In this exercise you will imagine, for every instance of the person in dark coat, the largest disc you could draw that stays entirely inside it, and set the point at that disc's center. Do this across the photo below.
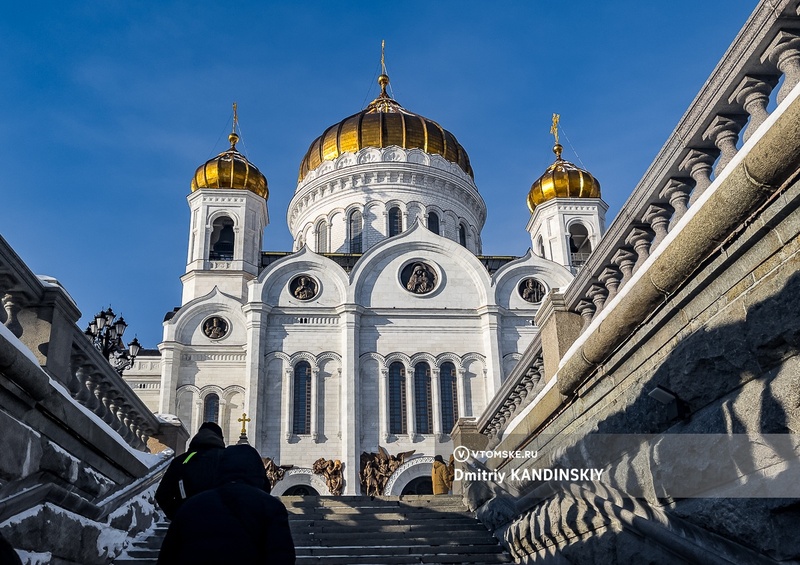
(236, 522)
(192, 472)
(7, 554)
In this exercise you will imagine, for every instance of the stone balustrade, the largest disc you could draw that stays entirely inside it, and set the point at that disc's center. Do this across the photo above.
(730, 107)
(517, 392)
(39, 312)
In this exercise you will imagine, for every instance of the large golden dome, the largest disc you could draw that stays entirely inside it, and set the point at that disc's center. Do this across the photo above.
(230, 169)
(562, 179)
(383, 123)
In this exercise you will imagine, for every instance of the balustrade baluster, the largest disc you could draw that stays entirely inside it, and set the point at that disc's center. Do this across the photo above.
(784, 53)
(597, 293)
(676, 191)
(699, 164)
(640, 239)
(586, 309)
(610, 278)
(724, 132)
(753, 94)
(625, 259)
(657, 216)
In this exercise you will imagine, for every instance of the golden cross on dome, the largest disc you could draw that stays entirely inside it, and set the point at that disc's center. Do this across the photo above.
(557, 148)
(383, 58)
(233, 137)
(554, 127)
(244, 419)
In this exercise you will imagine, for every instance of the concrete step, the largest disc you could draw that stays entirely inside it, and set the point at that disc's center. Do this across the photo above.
(363, 530)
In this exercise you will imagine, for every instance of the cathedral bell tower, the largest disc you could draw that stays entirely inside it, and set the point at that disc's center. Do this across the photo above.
(567, 213)
(228, 206)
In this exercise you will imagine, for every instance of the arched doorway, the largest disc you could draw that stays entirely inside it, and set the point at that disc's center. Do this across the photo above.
(420, 485)
(300, 490)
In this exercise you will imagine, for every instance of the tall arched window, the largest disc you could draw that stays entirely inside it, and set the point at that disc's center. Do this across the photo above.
(422, 398)
(540, 246)
(395, 221)
(301, 415)
(211, 409)
(462, 235)
(397, 399)
(433, 222)
(449, 395)
(222, 240)
(356, 231)
(579, 245)
(322, 237)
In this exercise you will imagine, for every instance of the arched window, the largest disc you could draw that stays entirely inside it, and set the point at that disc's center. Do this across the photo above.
(222, 240)
(540, 246)
(301, 415)
(356, 231)
(433, 222)
(422, 398)
(449, 396)
(462, 235)
(395, 221)
(579, 245)
(211, 409)
(397, 398)
(322, 237)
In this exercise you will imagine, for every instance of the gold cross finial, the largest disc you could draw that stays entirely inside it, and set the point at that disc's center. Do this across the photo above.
(383, 80)
(233, 137)
(557, 148)
(244, 419)
(554, 127)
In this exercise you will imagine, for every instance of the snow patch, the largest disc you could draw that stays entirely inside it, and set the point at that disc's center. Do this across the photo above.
(34, 558)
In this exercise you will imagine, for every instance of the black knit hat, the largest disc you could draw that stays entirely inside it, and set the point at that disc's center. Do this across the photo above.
(212, 427)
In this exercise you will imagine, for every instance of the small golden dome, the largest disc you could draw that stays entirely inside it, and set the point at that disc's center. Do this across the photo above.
(562, 179)
(383, 123)
(230, 169)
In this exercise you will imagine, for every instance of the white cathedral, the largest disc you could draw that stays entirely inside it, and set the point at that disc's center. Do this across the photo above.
(385, 324)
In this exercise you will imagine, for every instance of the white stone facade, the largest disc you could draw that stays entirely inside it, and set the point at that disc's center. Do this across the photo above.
(351, 365)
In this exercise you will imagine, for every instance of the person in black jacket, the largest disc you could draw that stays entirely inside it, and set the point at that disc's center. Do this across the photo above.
(192, 472)
(236, 522)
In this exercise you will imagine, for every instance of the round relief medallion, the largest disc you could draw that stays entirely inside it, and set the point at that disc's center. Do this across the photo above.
(303, 287)
(531, 290)
(215, 327)
(418, 277)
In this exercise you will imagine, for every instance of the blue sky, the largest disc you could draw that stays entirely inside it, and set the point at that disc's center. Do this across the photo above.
(107, 108)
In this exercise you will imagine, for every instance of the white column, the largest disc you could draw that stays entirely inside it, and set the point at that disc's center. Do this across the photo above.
(288, 403)
(492, 329)
(257, 318)
(170, 377)
(436, 404)
(410, 405)
(314, 403)
(350, 317)
(461, 392)
(383, 406)
(197, 417)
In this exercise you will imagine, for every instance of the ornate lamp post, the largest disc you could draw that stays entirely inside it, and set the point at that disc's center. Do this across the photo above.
(106, 331)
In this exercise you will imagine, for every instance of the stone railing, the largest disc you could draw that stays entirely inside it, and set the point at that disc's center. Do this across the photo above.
(516, 393)
(43, 316)
(730, 107)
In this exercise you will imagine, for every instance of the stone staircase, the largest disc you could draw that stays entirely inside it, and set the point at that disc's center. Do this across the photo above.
(356, 530)
(359, 530)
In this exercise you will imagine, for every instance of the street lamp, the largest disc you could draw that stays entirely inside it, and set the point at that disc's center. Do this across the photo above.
(105, 331)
